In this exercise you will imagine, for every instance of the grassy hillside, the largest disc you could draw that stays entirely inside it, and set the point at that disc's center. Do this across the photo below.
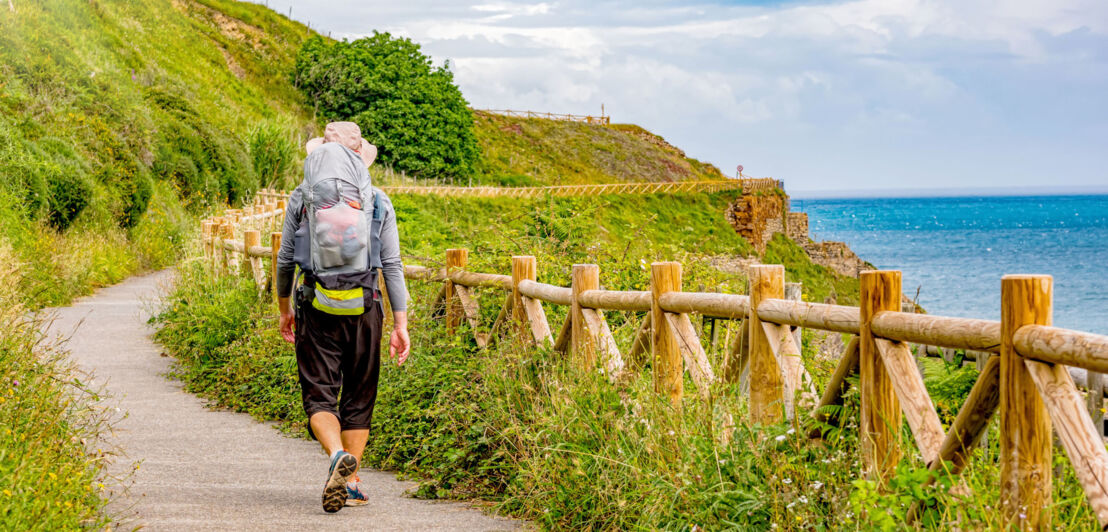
(119, 118)
(533, 151)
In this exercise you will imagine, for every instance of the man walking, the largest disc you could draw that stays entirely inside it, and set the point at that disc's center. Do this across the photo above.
(341, 232)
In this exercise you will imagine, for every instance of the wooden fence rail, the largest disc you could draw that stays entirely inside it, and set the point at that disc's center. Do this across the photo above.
(602, 119)
(1022, 359)
(748, 186)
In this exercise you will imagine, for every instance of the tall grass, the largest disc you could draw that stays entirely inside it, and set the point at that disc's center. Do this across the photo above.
(567, 449)
(51, 454)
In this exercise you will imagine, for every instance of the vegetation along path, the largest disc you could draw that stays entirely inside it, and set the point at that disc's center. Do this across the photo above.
(211, 470)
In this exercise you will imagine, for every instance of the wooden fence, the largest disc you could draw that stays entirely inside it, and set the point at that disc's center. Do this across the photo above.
(1023, 360)
(602, 120)
(748, 186)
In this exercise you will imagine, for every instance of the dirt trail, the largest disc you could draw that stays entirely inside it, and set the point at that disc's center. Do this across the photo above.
(215, 470)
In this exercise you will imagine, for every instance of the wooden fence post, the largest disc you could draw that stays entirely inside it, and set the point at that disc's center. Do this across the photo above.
(881, 416)
(523, 268)
(279, 220)
(1094, 399)
(206, 238)
(252, 238)
(669, 371)
(455, 260)
(214, 243)
(766, 382)
(275, 245)
(228, 256)
(584, 277)
(793, 292)
(1025, 428)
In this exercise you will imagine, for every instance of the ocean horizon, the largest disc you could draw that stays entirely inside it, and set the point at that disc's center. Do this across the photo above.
(953, 250)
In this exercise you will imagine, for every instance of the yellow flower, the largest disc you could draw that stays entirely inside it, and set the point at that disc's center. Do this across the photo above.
(7, 493)
(53, 476)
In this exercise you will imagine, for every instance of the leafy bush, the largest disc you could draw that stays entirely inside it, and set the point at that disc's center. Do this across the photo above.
(69, 195)
(410, 110)
(206, 163)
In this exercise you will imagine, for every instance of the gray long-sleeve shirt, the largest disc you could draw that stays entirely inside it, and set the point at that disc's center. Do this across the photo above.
(391, 266)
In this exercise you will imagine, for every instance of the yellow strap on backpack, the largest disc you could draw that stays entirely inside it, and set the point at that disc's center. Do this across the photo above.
(339, 302)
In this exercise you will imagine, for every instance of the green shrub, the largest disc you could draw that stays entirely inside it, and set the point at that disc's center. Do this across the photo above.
(410, 110)
(69, 195)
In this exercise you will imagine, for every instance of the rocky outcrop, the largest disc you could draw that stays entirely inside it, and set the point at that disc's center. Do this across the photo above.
(758, 217)
(835, 255)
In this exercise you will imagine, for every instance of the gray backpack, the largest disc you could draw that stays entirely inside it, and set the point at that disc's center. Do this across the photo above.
(340, 240)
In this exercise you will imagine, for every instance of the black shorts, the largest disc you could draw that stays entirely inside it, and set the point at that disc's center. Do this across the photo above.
(336, 353)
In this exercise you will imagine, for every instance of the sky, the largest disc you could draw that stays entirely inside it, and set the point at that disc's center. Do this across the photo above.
(887, 95)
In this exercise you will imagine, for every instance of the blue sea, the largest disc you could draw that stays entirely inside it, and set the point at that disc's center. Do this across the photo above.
(955, 250)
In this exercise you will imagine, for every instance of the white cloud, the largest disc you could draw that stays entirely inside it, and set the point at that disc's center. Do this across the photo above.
(870, 83)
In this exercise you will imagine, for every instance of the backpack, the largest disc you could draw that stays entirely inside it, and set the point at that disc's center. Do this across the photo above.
(338, 243)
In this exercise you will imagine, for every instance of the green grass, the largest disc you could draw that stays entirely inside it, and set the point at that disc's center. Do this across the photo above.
(567, 450)
(51, 454)
(819, 282)
(527, 152)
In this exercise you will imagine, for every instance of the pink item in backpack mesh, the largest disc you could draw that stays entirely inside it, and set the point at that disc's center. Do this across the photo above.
(348, 134)
(338, 234)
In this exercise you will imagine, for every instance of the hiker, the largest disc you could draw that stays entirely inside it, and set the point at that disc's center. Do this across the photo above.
(341, 232)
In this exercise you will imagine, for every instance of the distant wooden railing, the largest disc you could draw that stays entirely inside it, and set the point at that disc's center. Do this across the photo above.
(1022, 359)
(602, 120)
(747, 186)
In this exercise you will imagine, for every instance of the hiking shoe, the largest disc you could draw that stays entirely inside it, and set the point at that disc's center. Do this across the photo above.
(355, 496)
(334, 491)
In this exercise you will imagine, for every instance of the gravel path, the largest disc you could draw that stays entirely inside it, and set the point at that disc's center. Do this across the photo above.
(215, 470)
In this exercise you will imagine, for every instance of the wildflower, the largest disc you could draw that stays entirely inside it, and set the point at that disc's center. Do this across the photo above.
(802, 500)
(671, 433)
(7, 493)
(790, 432)
(817, 485)
(16, 384)
(787, 480)
(780, 438)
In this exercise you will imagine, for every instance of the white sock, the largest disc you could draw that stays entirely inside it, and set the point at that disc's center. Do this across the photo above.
(336, 453)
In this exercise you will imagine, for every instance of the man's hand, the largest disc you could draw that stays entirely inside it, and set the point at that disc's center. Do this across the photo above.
(288, 320)
(399, 343)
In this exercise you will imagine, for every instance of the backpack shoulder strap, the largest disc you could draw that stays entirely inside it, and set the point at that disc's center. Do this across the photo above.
(378, 211)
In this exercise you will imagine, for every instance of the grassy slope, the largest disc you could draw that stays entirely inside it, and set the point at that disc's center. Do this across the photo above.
(518, 151)
(143, 103)
(137, 112)
(570, 451)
